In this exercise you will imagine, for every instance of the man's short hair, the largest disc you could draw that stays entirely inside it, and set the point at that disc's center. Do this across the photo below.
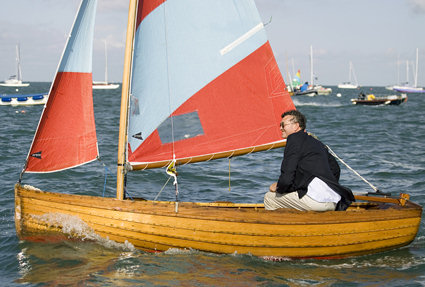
(298, 117)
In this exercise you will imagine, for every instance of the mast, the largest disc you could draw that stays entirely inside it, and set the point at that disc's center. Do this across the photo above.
(349, 72)
(106, 64)
(311, 67)
(18, 63)
(417, 64)
(288, 73)
(122, 137)
(407, 72)
(354, 75)
(398, 69)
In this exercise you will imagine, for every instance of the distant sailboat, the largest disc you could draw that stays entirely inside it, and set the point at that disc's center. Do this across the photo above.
(16, 80)
(318, 88)
(105, 85)
(403, 84)
(407, 88)
(349, 84)
(310, 89)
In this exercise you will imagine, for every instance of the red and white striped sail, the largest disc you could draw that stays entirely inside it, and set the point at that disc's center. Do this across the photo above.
(205, 83)
(66, 134)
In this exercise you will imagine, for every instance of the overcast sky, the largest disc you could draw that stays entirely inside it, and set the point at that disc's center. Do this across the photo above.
(373, 34)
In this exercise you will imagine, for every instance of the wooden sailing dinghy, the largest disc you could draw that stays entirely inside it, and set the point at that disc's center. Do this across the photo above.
(219, 94)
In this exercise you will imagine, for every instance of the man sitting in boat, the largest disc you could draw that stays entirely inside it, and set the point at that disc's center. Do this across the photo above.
(309, 173)
(362, 96)
(304, 87)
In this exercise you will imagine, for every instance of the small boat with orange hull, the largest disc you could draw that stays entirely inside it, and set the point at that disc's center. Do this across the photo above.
(377, 224)
(221, 94)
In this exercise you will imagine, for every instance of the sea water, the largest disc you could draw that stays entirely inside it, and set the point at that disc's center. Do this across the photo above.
(384, 144)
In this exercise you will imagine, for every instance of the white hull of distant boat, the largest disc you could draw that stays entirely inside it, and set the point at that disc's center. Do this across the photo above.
(14, 83)
(409, 89)
(308, 93)
(406, 89)
(104, 86)
(392, 88)
(23, 100)
(322, 91)
(347, 86)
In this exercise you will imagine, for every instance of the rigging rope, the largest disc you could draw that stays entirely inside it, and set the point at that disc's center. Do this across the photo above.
(159, 193)
(125, 188)
(106, 175)
(171, 169)
(104, 184)
(350, 168)
(355, 172)
(229, 172)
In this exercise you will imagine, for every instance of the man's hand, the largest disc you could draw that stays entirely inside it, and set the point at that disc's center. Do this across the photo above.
(273, 187)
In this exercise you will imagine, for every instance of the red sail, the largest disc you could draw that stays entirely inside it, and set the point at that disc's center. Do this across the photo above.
(205, 83)
(66, 134)
(233, 117)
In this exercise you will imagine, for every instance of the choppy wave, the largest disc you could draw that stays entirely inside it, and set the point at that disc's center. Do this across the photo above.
(74, 227)
(316, 103)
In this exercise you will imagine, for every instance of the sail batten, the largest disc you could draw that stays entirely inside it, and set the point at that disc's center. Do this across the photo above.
(241, 39)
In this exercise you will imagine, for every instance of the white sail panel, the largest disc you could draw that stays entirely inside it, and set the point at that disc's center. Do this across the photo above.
(78, 55)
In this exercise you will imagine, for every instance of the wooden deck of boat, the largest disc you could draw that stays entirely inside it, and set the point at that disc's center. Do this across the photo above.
(225, 227)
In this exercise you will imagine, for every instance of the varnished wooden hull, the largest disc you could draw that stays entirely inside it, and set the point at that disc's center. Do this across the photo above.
(219, 227)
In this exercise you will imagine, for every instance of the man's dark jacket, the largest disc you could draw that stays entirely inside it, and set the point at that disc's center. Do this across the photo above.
(305, 158)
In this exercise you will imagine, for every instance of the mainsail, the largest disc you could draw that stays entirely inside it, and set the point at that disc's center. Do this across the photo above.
(205, 83)
(68, 138)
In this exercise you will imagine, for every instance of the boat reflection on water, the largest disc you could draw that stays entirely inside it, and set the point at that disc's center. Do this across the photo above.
(86, 263)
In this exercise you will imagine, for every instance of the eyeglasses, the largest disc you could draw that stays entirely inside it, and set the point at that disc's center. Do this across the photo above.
(282, 125)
